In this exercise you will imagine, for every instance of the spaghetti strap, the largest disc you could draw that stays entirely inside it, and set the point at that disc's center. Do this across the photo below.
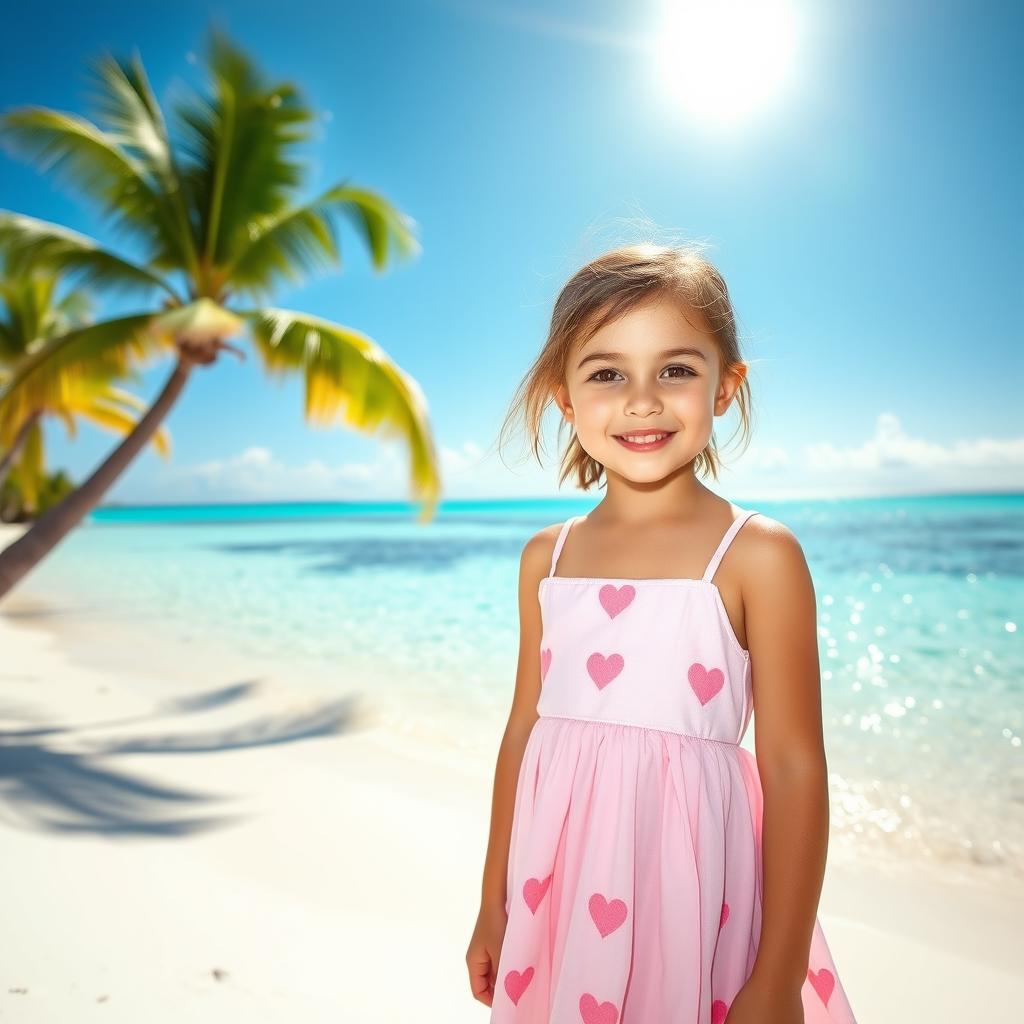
(561, 540)
(716, 558)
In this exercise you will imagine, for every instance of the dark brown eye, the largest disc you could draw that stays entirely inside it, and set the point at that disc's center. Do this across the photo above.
(596, 376)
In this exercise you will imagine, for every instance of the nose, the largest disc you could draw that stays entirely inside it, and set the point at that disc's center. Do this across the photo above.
(642, 401)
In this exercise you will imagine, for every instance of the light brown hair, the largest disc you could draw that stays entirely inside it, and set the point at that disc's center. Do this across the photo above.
(605, 289)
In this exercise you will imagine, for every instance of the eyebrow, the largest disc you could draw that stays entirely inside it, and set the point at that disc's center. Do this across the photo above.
(610, 356)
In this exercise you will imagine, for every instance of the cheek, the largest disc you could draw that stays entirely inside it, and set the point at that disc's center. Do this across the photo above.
(598, 410)
(694, 401)
(692, 406)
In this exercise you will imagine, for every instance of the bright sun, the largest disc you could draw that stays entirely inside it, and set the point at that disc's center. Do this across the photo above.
(722, 59)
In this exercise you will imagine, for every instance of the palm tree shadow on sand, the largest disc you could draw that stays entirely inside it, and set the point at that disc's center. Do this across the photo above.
(45, 788)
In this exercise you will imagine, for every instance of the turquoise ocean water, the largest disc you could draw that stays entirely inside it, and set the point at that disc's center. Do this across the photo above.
(920, 603)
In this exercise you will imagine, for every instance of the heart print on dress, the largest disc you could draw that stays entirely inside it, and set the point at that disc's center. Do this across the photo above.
(705, 682)
(515, 983)
(603, 670)
(616, 599)
(606, 915)
(533, 892)
(822, 982)
(593, 1012)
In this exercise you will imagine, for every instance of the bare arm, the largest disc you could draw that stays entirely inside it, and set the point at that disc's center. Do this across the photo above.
(534, 564)
(781, 621)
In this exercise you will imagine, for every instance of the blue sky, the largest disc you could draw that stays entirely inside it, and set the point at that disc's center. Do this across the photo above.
(867, 215)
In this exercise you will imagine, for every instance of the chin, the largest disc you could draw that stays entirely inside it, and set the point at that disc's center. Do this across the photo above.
(652, 474)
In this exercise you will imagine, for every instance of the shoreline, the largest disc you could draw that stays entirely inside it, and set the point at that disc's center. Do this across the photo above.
(197, 840)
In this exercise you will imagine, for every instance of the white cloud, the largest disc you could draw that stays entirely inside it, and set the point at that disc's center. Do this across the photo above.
(256, 473)
(457, 461)
(764, 457)
(892, 448)
(888, 462)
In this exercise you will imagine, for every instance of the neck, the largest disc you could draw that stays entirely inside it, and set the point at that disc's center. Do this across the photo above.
(676, 498)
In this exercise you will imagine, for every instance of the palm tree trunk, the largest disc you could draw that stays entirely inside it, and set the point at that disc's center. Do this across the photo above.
(49, 529)
(11, 455)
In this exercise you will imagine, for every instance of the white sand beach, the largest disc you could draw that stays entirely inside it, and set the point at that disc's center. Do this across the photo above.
(191, 841)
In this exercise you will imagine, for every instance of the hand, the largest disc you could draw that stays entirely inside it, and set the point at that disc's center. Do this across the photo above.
(759, 1002)
(485, 951)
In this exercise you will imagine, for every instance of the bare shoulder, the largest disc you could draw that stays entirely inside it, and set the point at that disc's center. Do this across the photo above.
(538, 550)
(770, 555)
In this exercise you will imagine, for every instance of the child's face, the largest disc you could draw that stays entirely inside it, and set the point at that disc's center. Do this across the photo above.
(625, 380)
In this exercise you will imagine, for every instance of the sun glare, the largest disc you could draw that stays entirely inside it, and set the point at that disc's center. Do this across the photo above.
(720, 60)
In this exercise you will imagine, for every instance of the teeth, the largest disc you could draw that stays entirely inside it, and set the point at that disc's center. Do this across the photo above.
(645, 438)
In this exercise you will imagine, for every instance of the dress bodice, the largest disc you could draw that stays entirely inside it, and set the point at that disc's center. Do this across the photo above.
(655, 653)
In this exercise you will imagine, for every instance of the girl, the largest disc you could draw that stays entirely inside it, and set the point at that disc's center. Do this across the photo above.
(626, 878)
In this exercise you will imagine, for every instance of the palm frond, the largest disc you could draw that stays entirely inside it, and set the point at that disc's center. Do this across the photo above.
(9, 348)
(74, 309)
(127, 106)
(112, 348)
(65, 416)
(28, 471)
(31, 243)
(237, 145)
(303, 239)
(93, 161)
(349, 377)
(25, 306)
(382, 226)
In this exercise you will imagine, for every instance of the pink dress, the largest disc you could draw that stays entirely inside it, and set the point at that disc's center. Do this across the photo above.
(635, 874)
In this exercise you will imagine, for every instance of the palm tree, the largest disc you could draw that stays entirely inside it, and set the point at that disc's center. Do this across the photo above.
(214, 216)
(49, 490)
(29, 315)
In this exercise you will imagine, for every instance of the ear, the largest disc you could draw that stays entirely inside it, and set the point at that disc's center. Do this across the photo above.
(730, 383)
(563, 403)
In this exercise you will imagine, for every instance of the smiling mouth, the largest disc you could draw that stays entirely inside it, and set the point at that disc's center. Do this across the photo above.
(645, 442)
